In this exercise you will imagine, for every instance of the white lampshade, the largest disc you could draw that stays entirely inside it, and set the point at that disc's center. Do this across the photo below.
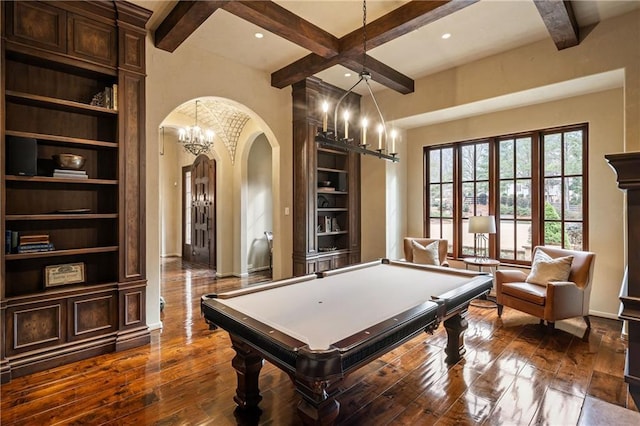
(482, 225)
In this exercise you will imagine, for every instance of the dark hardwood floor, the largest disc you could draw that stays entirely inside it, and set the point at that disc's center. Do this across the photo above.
(514, 373)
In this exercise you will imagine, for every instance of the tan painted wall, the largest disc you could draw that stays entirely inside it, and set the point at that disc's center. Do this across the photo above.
(614, 127)
(603, 112)
(170, 189)
(170, 83)
(610, 45)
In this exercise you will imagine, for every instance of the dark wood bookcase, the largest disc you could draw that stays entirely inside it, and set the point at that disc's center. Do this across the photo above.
(56, 56)
(326, 218)
(627, 168)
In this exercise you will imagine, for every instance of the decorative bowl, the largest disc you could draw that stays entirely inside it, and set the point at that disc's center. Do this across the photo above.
(324, 183)
(69, 161)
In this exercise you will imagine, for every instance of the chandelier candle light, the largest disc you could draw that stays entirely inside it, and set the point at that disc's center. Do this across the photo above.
(332, 140)
(196, 140)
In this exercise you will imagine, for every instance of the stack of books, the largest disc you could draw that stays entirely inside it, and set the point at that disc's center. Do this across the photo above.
(108, 98)
(70, 174)
(10, 241)
(34, 243)
(111, 97)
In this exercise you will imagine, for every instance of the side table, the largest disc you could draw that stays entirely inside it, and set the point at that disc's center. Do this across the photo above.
(481, 262)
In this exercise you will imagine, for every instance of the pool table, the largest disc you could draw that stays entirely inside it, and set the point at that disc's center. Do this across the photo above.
(319, 328)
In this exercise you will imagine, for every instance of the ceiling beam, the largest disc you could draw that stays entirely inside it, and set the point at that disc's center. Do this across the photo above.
(561, 22)
(312, 64)
(301, 69)
(182, 21)
(403, 20)
(394, 24)
(278, 20)
(381, 73)
(327, 50)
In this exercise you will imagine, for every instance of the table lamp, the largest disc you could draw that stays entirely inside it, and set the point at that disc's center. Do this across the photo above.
(481, 225)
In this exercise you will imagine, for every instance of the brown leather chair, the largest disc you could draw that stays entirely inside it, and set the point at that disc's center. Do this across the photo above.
(442, 248)
(555, 301)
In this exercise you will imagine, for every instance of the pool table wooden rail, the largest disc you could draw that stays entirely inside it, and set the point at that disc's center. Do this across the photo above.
(452, 305)
(318, 374)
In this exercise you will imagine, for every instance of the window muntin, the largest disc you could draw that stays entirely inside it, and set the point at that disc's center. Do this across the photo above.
(540, 182)
(515, 198)
(441, 193)
(564, 186)
(474, 170)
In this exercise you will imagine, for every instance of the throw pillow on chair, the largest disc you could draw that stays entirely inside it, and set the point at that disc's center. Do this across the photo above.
(545, 269)
(426, 255)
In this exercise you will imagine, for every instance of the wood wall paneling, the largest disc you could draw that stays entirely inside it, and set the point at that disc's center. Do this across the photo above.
(92, 40)
(37, 24)
(132, 177)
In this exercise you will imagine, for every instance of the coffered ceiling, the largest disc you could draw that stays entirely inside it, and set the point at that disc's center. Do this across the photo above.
(478, 29)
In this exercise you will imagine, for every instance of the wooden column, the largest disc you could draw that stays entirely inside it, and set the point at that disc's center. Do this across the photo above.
(309, 161)
(627, 167)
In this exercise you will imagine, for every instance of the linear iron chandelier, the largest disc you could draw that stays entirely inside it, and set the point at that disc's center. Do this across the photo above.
(333, 140)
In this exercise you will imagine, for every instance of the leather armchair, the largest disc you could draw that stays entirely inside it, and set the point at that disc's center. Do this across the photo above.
(443, 247)
(555, 301)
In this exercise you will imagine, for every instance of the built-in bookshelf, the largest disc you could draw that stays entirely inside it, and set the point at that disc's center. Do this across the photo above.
(326, 186)
(73, 281)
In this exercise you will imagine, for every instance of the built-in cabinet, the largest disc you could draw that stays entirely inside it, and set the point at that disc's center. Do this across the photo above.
(326, 184)
(627, 168)
(61, 62)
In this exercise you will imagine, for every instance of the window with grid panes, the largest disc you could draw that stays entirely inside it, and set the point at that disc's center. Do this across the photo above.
(539, 180)
(440, 171)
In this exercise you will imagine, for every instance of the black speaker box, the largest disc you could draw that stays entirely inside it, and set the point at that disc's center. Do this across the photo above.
(22, 156)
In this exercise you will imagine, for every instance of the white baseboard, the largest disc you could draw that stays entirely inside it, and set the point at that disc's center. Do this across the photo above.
(155, 326)
(603, 314)
(171, 255)
(238, 274)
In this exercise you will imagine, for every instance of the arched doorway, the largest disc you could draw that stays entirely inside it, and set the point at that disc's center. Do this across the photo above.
(233, 244)
(258, 217)
(228, 211)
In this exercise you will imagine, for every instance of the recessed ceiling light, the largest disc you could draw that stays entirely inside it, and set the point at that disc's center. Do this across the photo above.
(347, 74)
(259, 35)
(446, 36)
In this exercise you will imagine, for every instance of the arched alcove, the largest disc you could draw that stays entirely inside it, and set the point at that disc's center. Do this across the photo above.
(259, 213)
(244, 191)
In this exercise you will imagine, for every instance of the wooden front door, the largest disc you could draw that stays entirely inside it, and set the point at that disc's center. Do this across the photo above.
(203, 211)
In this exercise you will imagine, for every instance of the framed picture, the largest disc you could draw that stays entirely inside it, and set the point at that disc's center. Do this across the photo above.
(69, 273)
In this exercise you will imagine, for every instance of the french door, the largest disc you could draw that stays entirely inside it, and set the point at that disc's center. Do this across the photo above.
(199, 218)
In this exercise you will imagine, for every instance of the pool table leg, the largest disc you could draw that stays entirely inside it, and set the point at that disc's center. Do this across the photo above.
(325, 413)
(247, 364)
(455, 326)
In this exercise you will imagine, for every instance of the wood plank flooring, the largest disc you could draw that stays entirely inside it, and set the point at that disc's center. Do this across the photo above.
(514, 373)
